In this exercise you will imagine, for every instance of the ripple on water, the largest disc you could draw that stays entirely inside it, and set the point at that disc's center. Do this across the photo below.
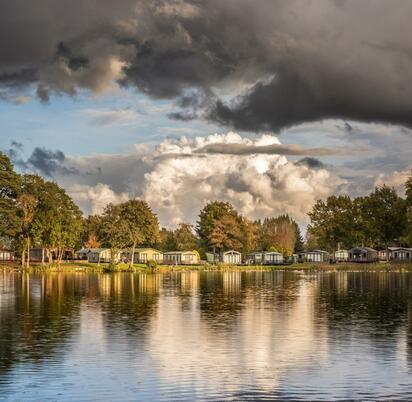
(205, 336)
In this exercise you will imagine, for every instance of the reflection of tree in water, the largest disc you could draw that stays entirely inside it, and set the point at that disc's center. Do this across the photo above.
(379, 298)
(184, 285)
(128, 299)
(38, 314)
(222, 296)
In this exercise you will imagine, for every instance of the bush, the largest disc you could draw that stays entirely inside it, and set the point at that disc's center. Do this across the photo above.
(151, 264)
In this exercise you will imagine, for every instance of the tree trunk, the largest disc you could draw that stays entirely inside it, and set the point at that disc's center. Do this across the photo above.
(59, 256)
(42, 256)
(387, 252)
(28, 252)
(132, 256)
(23, 255)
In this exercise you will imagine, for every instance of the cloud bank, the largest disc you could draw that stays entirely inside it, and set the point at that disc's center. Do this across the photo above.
(249, 65)
(177, 180)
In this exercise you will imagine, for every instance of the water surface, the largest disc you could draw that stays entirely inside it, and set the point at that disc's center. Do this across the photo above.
(208, 336)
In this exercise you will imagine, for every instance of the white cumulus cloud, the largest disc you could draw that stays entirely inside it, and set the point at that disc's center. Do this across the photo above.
(177, 180)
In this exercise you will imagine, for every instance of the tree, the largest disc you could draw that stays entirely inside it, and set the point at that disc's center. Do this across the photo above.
(27, 204)
(140, 224)
(184, 237)
(277, 233)
(113, 230)
(299, 245)
(332, 222)
(58, 221)
(89, 237)
(10, 221)
(226, 234)
(384, 216)
(220, 227)
(408, 193)
(167, 240)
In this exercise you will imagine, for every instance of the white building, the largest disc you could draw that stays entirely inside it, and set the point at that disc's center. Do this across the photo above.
(180, 257)
(231, 257)
(265, 258)
(314, 256)
(96, 255)
(341, 255)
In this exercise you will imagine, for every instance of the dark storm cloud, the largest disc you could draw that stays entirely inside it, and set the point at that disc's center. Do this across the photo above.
(275, 149)
(48, 162)
(311, 163)
(287, 61)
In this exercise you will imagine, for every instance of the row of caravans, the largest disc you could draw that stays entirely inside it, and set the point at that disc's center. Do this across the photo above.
(141, 256)
(361, 254)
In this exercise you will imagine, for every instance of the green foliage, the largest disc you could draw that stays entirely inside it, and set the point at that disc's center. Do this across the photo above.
(299, 244)
(383, 213)
(375, 220)
(220, 227)
(89, 236)
(333, 222)
(151, 264)
(10, 221)
(279, 233)
(113, 230)
(167, 240)
(184, 238)
(141, 225)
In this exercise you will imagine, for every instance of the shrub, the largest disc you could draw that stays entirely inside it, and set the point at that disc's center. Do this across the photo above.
(151, 264)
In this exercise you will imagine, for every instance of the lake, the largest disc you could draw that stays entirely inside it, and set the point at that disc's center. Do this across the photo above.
(80, 336)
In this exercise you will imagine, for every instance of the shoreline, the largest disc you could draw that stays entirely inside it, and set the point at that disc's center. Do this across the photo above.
(298, 267)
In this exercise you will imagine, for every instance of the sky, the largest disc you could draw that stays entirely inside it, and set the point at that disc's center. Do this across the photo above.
(269, 105)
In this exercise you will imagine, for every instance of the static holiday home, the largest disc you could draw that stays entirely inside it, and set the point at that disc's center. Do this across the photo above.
(180, 257)
(314, 256)
(142, 255)
(231, 257)
(363, 254)
(38, 255)
(341, 255)
(96, 255)
(225, 257)
(265, 258)
(400, 254)
(6, 256)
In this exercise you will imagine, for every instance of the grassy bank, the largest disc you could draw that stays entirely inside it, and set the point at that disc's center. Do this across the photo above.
(310, 267)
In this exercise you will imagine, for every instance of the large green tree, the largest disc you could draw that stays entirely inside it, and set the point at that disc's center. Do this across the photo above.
(384, 216)
(220, 227)
(277, 233)
(333, 222)
(184, 238)
(113, 230)
(57, 224)
(408, 193)
(140, 225)
(10, 221)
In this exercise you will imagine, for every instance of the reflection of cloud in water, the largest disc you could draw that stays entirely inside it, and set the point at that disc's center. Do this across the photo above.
(262, 345)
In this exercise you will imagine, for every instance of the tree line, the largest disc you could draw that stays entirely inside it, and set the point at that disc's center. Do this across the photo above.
(35, 212)
(378, 220)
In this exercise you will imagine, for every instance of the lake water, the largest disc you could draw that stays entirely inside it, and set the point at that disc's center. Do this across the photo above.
(207, 336)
